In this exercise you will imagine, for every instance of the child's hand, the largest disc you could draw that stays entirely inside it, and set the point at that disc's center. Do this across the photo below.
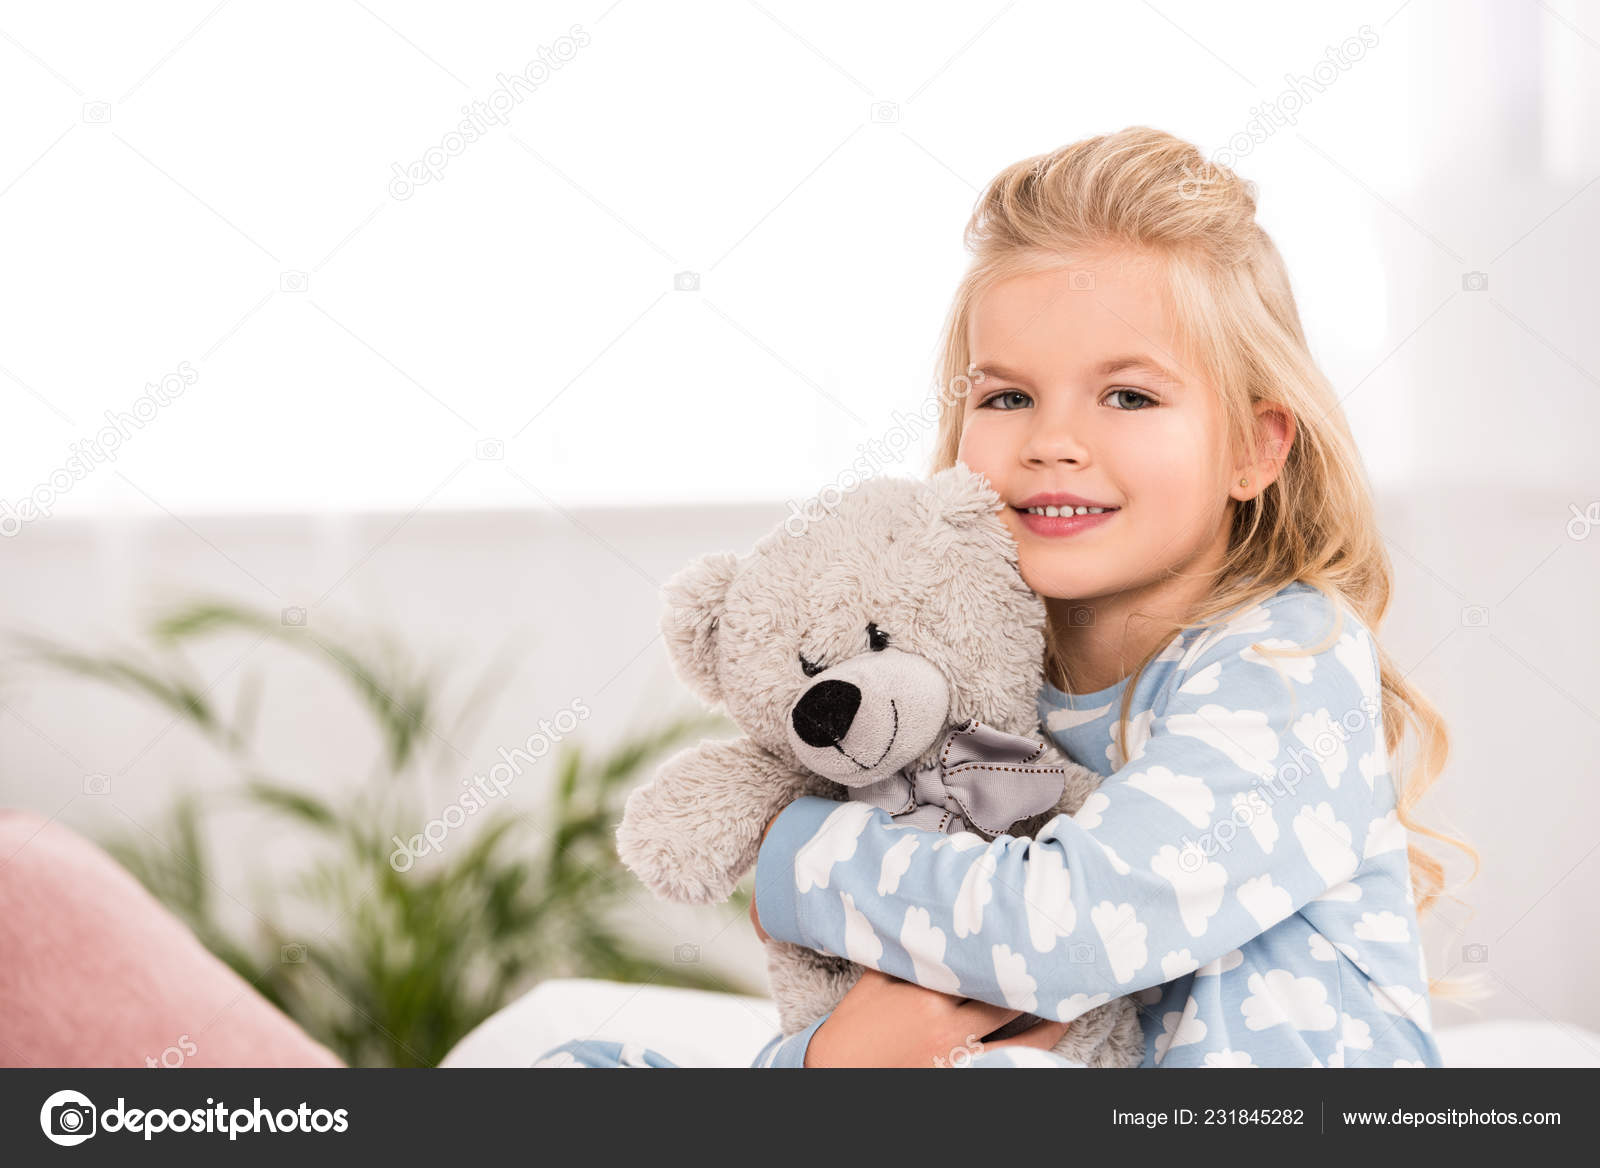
(886, 1022)
(761, 933)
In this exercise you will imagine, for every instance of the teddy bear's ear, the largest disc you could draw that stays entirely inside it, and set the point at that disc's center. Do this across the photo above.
(694, 603)
(961, 496)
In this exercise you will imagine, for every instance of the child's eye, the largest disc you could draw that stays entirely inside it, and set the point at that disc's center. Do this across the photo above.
(1142, 399)
(1004, 393)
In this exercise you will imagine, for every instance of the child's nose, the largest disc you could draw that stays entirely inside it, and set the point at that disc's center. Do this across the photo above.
(1057, 436)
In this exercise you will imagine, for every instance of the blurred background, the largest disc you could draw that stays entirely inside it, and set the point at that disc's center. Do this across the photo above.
(345, 457)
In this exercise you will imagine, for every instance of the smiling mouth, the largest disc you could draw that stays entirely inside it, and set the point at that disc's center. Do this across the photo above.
(896, 714)
(1066, 523)
(1063, 512)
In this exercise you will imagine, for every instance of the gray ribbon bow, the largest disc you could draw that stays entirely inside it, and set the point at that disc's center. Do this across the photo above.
(982, 775)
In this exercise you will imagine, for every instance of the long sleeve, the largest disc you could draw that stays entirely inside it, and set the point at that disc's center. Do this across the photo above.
(1248, 793)
(789, 1053)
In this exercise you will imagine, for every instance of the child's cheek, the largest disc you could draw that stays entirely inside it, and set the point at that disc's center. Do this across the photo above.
(979, 449)
(1166, 475)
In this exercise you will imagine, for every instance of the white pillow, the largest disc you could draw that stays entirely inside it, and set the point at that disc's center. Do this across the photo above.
(692, 1028)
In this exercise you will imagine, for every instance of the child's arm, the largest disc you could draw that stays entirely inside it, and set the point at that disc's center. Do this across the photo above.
(1246, 802)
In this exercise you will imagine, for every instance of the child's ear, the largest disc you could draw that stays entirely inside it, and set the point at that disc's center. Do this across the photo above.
(695, 598)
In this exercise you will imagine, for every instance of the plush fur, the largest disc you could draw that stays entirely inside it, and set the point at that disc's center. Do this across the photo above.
(904, 592)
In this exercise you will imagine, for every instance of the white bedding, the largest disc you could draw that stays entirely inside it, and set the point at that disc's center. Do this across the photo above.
(695, 1028)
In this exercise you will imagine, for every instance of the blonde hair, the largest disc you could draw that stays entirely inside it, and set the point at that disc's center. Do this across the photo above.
(1145, 193)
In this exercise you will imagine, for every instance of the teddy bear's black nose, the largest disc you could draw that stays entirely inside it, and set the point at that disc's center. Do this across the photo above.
(824, 714)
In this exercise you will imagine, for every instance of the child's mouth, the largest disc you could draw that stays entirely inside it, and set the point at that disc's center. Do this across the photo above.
(1068, 522)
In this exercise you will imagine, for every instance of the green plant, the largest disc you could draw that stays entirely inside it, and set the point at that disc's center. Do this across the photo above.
(409, 960)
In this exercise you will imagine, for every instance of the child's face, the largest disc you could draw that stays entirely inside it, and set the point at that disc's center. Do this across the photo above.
(1059, 420)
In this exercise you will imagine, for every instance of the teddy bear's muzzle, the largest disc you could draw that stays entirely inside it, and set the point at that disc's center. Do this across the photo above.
(869, 716)
(823, 716)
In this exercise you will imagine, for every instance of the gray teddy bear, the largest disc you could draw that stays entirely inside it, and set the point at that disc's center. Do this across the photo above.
(886, 648)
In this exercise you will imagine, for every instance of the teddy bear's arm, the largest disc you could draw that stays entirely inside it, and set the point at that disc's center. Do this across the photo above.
(694, 830)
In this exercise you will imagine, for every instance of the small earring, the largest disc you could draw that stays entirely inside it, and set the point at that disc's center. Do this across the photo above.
(1244, 482)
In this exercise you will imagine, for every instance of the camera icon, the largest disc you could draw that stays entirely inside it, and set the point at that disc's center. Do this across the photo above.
(1081, 954)
(1475, 953)
(1475, 281)
(293, 617)
(97, 784)
(1475, 616)
(96, 113)
(1080, 281)
(68, 1118)
(490, 450)
(72, 1119)
(686, 282)
(1080, 615)
(686, 954)
(293, 953)
(293, 282)
(884, 112)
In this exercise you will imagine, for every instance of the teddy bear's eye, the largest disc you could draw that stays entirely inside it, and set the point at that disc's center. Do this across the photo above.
(877, 639)
(807, 668)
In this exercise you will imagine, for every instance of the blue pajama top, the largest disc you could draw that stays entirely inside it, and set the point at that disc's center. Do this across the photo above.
(1242, 872)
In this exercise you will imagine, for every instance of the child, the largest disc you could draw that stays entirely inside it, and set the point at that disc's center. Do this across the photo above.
(1133, 380)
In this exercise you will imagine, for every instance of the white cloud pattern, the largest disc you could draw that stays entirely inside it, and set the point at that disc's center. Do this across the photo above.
(861, 944)
(1280, 997)
(924, 942)
(1264, 900)
(1197, 881)
(1241, 736)
(1011, 974)
(1326, 841)
(1382, 926)
(1179, 1029)
(974, 894)
(1174, 965)
(1325, 737)
(896, 861)
(1123, 936)
(835, 841)
(1252, 809)
(1298, 667)
(1188, 795)
(1047, 899)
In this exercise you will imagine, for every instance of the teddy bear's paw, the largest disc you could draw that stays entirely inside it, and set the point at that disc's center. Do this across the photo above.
(672, 866)
(673, 873)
